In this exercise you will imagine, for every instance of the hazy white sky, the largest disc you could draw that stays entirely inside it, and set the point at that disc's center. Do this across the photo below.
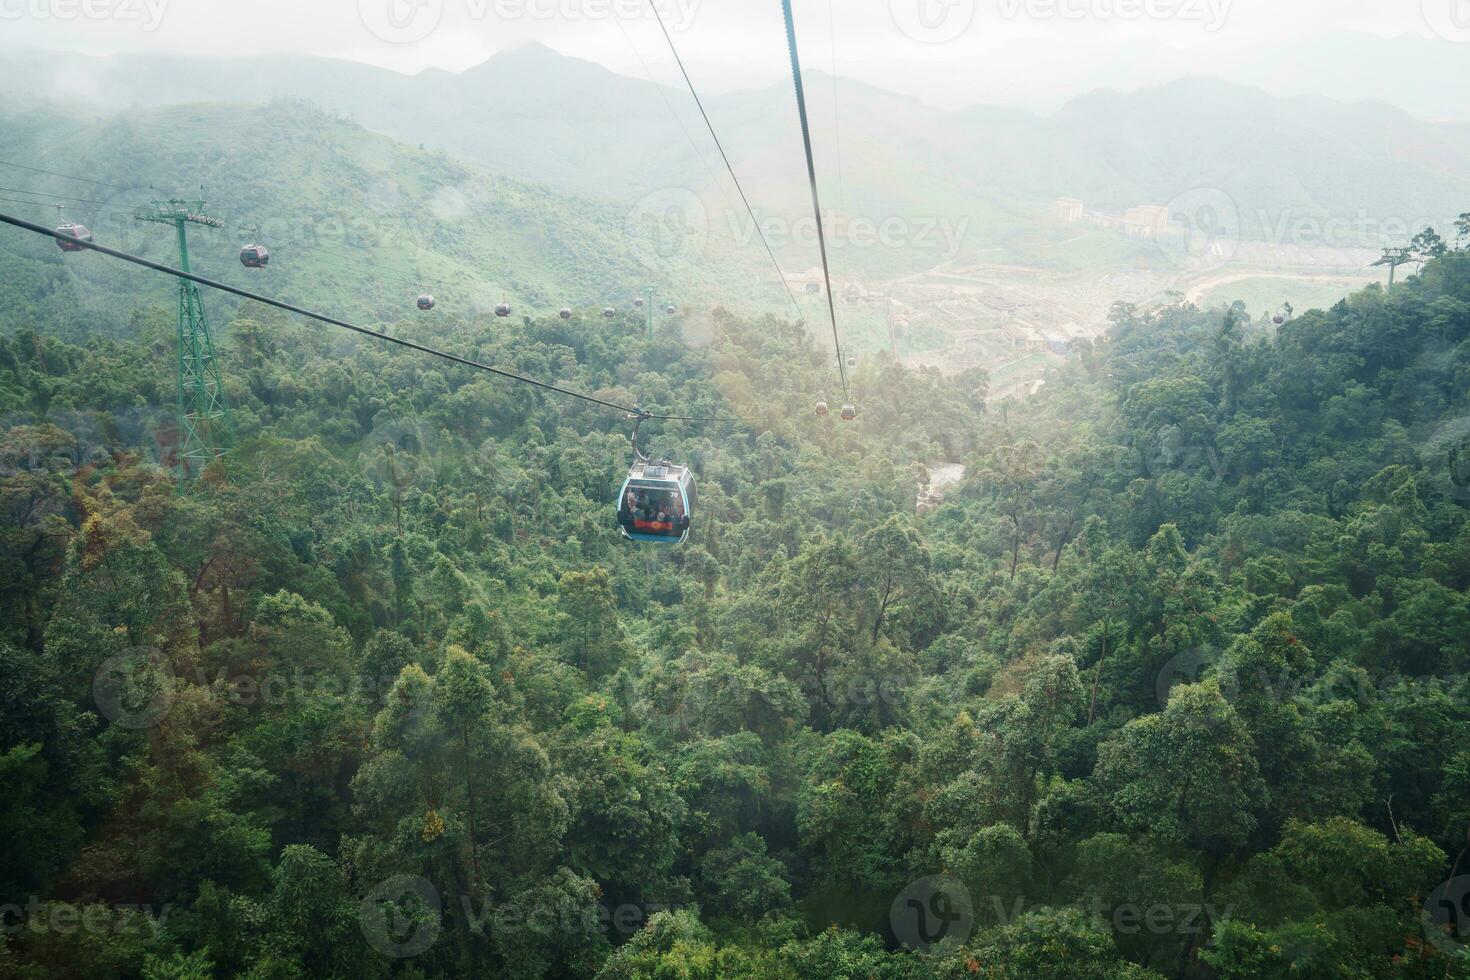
(919, 46)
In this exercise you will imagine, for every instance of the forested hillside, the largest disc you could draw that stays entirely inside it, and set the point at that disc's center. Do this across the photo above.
(1175, 685)
(358, 224)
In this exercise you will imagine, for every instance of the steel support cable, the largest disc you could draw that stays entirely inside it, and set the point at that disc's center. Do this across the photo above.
(57, 197)
(811, 170)
(678, 120)
(634, 411)
(724, 156)
(52, 205)
(53, 173)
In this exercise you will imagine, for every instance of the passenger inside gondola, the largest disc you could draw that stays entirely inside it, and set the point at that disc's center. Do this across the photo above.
(652, 511)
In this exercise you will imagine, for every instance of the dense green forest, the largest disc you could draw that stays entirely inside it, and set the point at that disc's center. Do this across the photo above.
(1174, 685)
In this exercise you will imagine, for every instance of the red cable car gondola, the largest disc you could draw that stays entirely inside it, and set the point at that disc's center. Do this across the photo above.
(79, 232)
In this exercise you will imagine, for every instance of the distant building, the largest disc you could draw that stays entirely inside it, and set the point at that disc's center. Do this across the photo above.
(1067, 209)
(1022, 337)
(1147, 220)
(1141, 221)
(1057, 344)
(809, 281)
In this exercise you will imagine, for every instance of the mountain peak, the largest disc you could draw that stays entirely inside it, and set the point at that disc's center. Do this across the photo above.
(529, 56)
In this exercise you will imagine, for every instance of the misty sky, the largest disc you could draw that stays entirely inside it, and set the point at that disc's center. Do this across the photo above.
(1024, 52)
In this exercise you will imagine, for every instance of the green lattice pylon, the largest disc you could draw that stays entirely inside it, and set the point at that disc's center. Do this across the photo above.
(204, 421)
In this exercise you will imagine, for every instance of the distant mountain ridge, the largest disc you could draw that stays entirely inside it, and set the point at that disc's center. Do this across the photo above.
(533, 114)
(1290, 166)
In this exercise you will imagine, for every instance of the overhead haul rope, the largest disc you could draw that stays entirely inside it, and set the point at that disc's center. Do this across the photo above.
(631, 410)
(53, 205)
(811, 170)
(724, 156)
(58, 197)
(53, 173)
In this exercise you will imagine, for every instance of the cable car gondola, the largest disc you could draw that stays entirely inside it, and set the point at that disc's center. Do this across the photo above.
(656, 502)
(566, 314)
(255, 256)
(822, 410)
(849, 412)
(79, 232)
(671, 309)
(638, 303)
(426, 302)
(609, 311)
(502, 309)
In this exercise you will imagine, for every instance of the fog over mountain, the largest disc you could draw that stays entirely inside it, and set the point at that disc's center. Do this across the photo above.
(536, 115)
